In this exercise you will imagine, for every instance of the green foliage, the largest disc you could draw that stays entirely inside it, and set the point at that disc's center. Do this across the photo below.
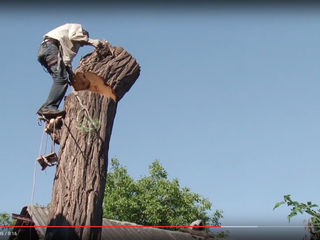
(6, 220)
(88, 125)
(297, 207)
(154, 199)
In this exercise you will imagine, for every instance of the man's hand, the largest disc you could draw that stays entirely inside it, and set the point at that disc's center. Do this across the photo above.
(96, 43)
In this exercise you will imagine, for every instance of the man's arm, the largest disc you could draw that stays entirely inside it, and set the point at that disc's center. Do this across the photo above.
(95, 42)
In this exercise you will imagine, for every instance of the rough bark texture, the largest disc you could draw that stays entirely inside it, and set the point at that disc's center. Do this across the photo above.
(80, 177)
(84, 136)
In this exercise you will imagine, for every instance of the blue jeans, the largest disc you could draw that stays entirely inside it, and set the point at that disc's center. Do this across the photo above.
(48, 52)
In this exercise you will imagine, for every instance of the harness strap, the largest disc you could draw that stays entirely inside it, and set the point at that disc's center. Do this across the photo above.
(52, 62)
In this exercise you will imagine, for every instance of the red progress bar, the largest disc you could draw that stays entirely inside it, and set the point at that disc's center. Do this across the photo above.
(110, 226)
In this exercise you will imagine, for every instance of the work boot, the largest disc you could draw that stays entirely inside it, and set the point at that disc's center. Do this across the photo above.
(50, 113)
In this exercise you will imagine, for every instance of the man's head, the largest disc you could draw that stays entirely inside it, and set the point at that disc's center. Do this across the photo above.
(85, 32)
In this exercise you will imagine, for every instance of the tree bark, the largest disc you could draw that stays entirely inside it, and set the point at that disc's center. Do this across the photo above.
(102, 79)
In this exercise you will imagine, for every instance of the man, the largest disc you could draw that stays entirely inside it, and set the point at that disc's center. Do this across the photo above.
(56, 53)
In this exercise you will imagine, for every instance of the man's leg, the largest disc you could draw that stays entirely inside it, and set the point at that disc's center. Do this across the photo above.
(48, 57)
(59, 86)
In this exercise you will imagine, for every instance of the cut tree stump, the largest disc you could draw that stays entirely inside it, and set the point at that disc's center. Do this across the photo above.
(101, 80)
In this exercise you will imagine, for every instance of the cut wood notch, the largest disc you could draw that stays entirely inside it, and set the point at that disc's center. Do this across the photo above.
(109, 70)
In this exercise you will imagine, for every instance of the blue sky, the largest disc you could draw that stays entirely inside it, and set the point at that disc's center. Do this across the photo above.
(227, 99)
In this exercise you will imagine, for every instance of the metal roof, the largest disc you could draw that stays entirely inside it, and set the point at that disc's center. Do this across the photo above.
(39, 216)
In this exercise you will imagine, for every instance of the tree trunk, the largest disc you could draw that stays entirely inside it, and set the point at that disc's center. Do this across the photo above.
(104, 76)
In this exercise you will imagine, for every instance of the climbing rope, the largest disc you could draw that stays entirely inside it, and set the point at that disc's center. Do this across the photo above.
(44, 151)
(35, 168)
(53, 137)
(84, 108)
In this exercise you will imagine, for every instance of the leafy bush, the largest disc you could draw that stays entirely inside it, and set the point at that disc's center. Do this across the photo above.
(313, 226)
(154, 199)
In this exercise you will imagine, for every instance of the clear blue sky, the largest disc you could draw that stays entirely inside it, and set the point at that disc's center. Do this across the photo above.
(227, 99)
